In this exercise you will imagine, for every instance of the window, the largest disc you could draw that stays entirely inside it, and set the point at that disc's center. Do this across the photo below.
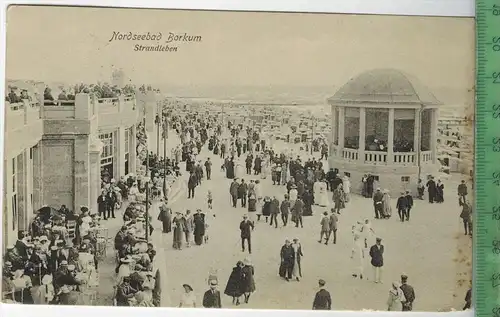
(375, 177)
(107, 149)
(14, 212)
(405, 179)
(127, 140)
(347, 174)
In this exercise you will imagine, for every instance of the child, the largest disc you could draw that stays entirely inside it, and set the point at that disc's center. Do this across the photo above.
(209, 199)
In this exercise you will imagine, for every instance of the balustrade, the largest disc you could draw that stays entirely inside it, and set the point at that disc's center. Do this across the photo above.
(350, 154)
(375, 157)
(404, 158)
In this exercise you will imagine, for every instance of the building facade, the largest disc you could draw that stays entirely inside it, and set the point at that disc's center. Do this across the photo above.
(384, 123)
(57, 153)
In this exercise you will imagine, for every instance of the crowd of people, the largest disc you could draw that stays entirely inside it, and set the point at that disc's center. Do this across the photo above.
(57, 260)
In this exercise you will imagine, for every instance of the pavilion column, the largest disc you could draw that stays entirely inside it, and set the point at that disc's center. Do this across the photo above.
(416, 133)
(434, 129)
(341, 130)
(362, 135)
(390, 137)
(334, 130)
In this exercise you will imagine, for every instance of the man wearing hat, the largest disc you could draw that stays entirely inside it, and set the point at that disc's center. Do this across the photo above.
(409, 293)
(402, 206)
(377, 261)
(409, 199)
(378, 205)
(246, 227)
(322, 300)
(211, 298)
(14, 258)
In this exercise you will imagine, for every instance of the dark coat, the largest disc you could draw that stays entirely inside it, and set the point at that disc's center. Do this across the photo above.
(322, 300)
(235, 282)
(211, 299)
(246, 228)
(275, 206)
(248, 279)
(377, 255)
(402, 203)
(409, 199)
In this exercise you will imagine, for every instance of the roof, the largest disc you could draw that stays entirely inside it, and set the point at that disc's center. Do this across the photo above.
(384, 86)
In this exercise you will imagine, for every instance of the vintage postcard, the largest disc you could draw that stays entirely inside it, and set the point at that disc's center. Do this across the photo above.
(167, 158)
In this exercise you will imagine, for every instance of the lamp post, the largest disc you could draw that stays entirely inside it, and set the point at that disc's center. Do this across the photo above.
(147, 178)
(165, 137)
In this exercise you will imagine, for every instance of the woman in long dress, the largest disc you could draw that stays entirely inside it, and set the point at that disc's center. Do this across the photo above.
(396, 296)
(248, 286)
(321, 194)
(259, 197)
(265, 168)
(386, 202)
(297, 252)
(346, 184)
(178, 226)
(338, 198)
(284, 172)
(234, 286)
(188, 298)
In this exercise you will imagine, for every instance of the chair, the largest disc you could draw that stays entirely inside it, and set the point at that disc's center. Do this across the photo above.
(71, 226)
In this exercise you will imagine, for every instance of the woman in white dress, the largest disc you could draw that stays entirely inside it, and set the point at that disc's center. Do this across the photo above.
(265, 168)
(239, 171)
(320, 194)
(133, 192)
(297, 252)
(123, 270)
(346, 184)
(258, 195)
(188, 298)
(386, 201)
(293, 194)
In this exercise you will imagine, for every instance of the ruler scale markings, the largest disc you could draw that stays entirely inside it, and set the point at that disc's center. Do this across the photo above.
(487, 153)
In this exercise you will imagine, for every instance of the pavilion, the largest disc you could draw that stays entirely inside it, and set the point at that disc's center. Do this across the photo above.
(384, 123)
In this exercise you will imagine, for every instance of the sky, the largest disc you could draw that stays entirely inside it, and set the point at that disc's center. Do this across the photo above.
(69, 44)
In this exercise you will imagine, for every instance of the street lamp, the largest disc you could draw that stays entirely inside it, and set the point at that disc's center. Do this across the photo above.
(165, 137)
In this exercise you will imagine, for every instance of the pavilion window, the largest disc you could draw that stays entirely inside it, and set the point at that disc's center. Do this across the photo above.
(405, 179)
(425, 131)
(376, 129)
(351, 128)
(404, 130)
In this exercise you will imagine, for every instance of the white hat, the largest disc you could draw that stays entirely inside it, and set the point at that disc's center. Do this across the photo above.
(71, 267)
(47, 279)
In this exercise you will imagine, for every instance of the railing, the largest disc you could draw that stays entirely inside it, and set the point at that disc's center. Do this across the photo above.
(60, 111)
(350, 154)
(405, 158)
(426, 157)
(19, 114)
(375, 157)
(58, 103)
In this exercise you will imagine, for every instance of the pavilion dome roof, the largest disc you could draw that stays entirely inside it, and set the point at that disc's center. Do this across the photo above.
(384, 86)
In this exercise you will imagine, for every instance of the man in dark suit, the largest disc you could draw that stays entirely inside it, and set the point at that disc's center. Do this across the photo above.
(402, 206)
(322, 300)
(246, 227)
(409, 200)
(233, 191)
(101, 205)
(211, 298)
(243, 192)
(409, 293)
(110, 203)
(377, 203)
(377, 255)
(431, 189)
